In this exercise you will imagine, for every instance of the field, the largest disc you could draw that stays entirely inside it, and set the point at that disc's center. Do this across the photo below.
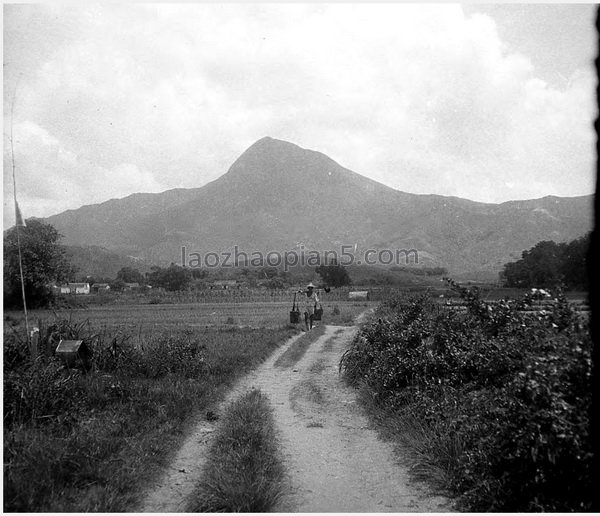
(91, 442)
(145, 319)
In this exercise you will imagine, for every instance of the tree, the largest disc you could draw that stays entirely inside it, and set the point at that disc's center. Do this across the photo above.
(199, 274)
(334, 275)
(172, 278)
(130, 275)
(548, 264)
(44, 263)
(574, 263)
(117, 285)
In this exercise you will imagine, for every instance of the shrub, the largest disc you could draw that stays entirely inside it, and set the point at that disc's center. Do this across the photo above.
(76, 442)
(510, 384)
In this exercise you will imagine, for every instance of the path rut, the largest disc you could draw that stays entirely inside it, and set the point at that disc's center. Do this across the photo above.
(334, 459)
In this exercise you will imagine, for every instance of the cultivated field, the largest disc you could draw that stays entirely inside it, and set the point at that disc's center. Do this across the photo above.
(145, 319)
(91, 442)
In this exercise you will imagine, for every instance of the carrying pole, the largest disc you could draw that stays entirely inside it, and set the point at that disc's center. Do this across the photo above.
(18, 217)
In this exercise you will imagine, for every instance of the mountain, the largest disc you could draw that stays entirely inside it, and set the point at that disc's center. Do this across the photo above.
(100, 263)
(277, 195)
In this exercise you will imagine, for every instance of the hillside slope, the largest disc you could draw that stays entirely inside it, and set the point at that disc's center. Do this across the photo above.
(277, 195)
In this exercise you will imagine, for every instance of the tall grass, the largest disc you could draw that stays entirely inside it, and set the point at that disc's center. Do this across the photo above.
(493, 400)
(90, 442)
(244, 471)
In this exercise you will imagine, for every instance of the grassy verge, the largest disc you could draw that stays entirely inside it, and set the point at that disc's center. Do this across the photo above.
(244, 471)
(493, 402)
(431, 453)
(77, 442)
(296, 351)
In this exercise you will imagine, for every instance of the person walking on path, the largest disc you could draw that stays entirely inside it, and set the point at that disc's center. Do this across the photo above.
(310, 301)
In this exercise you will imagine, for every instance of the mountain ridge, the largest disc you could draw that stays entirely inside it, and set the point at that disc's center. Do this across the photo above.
(276, 194)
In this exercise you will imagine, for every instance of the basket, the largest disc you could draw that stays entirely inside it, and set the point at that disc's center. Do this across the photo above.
(294, 313)
(318, 314)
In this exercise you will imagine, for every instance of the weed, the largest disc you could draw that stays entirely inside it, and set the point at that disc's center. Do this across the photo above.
(89, 442)
(496, 397)
(244, 471)
(297, 350)
(307, 390)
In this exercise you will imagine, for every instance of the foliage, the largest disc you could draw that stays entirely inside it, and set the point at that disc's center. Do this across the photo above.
(86, 442)
(244, 471)
(117, 285)
(333, 274)
(130, 275)
(171, 278)
(505, 386)
(44, 263)
(548, 264)
(296, 351)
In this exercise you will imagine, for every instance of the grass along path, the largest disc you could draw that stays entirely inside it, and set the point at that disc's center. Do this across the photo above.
(91, 443)
(334, 461)
(244, 471)
(295, 352)
(174, 490)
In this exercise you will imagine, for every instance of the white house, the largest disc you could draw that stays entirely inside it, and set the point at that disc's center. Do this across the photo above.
(358, 294)
(79, 288)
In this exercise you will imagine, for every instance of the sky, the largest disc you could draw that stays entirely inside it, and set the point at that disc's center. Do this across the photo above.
(485, 102)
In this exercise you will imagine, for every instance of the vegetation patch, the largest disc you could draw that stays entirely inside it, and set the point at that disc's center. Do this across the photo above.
(548, 264)
(344, 314)
(493, 400)
(91, 442)
(328, 346)
(244, 470)
(318, 367)
(298, 348)
(306, 390)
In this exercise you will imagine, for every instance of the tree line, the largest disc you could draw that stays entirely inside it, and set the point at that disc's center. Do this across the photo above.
(549, 264)
(46, 263)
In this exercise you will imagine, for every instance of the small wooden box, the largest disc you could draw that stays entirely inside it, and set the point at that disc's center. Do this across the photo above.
(75, 353)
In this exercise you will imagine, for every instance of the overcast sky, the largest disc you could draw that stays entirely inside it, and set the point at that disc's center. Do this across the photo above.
(489, 103)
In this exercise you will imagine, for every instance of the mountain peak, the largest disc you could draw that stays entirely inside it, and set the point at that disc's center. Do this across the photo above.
(270, 157)
(267, 143)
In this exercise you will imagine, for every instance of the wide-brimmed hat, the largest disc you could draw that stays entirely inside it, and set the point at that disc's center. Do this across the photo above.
(310, 285)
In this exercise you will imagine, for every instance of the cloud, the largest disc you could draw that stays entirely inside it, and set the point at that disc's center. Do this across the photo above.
(58, 179)
(115, 99)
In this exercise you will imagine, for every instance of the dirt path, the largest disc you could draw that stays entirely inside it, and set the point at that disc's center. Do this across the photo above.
(334, 460)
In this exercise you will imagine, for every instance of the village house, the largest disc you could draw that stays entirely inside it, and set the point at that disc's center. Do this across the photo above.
(78, 288)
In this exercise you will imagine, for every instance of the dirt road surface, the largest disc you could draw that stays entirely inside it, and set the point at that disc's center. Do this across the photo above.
(334, 459)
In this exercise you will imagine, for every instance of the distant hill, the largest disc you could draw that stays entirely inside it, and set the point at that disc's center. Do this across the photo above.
(277, 195)
(101, 263)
